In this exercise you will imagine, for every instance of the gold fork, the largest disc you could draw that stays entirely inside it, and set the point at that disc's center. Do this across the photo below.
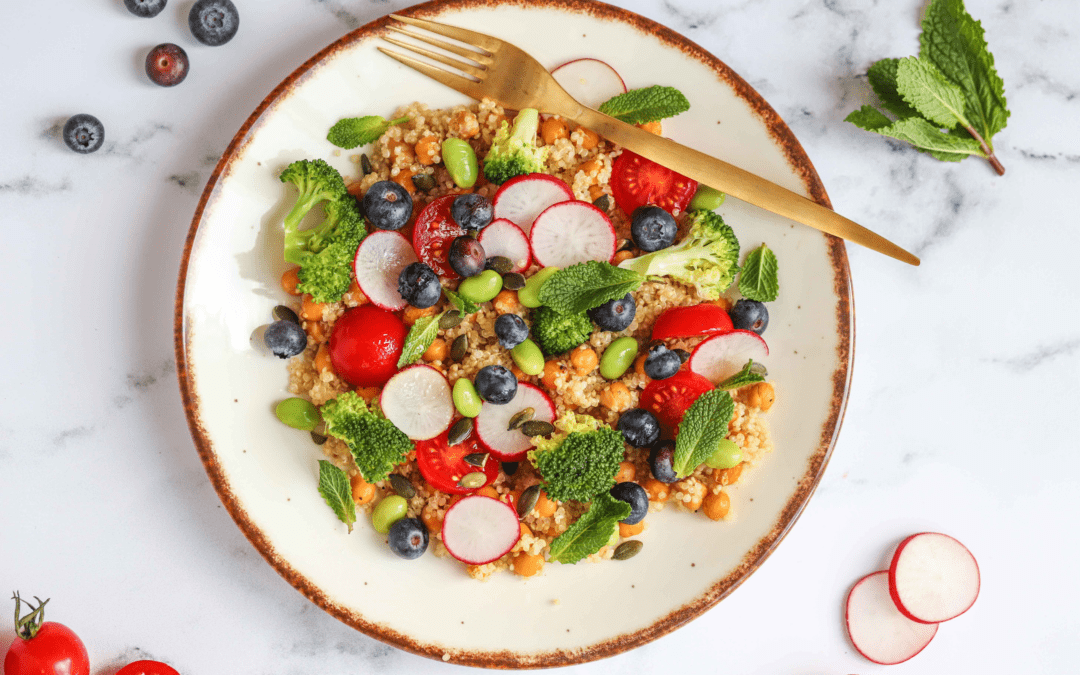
(500, 71)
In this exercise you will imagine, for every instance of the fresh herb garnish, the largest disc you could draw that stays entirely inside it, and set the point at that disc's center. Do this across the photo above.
(586, 285)
(701, 430)
(420, 337)
(353, 132)
(335, 489)
(591, 532)
(639, 106)
(949, 101)
(759, 279)
(461, 304)
(741, 378)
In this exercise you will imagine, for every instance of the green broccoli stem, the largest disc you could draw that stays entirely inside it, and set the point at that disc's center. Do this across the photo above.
(305, 203)
(525, 125)
(666, 259)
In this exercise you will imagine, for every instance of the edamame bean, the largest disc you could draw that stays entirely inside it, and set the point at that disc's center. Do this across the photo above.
(528, 357)
(460, 162)
(530, 295)
(466, 400)
(388, 512)
(481, 288)
(618, 357)
(298, 413)
(707, 198)
(726, 455)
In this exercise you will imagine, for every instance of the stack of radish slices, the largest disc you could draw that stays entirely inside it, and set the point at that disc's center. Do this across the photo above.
(893, 614)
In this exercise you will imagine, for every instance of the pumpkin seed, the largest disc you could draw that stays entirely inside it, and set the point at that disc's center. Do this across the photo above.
(458, 347)
(365, 164)
(537, 428)
(626, 245)
(627, 549)
(449, 319)
(477, 459)
(759, 368)
(499, 263)
(527, 501)
(603, 202)
(318, 438)
(402, 486)
(513, 281)
(472, 480)
(684, 355)
(423, 182)
(283, 313)
(460, 430)
(520, 418)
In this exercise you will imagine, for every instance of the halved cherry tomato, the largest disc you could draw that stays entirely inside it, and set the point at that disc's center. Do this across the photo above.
(433, 233)
(636, 181)
(365, 345)
(703, 319)
(443, 465)
(669, 399)
(147, 668)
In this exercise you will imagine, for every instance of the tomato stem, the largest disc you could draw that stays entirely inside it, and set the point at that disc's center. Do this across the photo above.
(26, 627)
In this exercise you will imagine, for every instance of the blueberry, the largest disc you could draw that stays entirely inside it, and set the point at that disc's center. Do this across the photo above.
(145, 8)
(634, 495)
(511, 330)
(639, 427)
(387, 205)
(213, 22)
(615, 315)
(419, 285)
(466, 256)
(510, 468)
(84, 133)
(652, 228)
(472, 211)
(285, 338)
(496, 384)
(661, 461)
(750, 315)
(408, 538)
(661, 363)
(167, 65)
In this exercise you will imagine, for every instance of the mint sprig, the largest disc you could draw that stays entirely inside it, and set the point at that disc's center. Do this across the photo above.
(335, 489)
(591, 532)
(701, 430)
(462, 305)
(759, 278)
(353, 132)
(586, 285)
(420, 337)
(639, 106)
(742, 378)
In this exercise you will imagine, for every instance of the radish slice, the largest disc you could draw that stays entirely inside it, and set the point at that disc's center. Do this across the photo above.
(520, 200)
(492, 424)
(590, 81)
(572, 232)
(503, 237)
(933, 578)
(478, 529)
(877, 628)
(418, 401)
(721, 356)
(378, 264)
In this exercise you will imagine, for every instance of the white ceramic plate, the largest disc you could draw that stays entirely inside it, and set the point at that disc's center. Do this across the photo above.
(266, 473)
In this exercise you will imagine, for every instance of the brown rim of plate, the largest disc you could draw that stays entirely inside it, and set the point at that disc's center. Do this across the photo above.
(797, 159)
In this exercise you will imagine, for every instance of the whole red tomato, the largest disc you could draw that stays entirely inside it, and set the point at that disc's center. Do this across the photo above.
(44, 647)
(147, 668)
(365, 345)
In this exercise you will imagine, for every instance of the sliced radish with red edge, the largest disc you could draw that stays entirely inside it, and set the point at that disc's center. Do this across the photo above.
(478, 529)
(418, 401)
(933, 578)
(378, 264)
(590, 81)
(877, 628)
(502, 237)
(493, 421)
(721, 356)
(520, 200)
(572, 232)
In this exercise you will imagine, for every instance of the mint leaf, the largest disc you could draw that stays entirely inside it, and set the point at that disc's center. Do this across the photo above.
(352, 132)
(741, 378)
(335, 489)
(586, 285)
(926, 89)
(591, 532)
(420, 337)
(882, 76)
(759, 277)
(639, 106)
(949, 147)
(461, 304)
(701, 430)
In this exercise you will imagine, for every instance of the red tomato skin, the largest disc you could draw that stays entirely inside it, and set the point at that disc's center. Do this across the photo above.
(365, 345)
(47, 652)
(147, 668)
(636, 181)
(703, 319)
(440, 462)
(433, 233)
(669, 399)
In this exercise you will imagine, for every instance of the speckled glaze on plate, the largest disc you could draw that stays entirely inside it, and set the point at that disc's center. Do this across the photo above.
(265, 473)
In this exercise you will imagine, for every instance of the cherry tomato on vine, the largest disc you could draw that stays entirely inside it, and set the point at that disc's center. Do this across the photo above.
(44, 647)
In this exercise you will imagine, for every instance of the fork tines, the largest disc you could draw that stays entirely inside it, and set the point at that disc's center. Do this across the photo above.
(478, 57)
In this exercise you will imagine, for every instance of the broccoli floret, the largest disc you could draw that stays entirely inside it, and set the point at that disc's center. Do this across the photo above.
(582, 466)
(327, 274)
(557, 333)
(317, 182)
(707, 258)
(376, 444)
(515, 153)
(565, 425)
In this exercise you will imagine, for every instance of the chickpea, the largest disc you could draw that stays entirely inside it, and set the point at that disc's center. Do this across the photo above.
(322, 360)
(411, 314)
(616, 397)
(311, 310)
(432, 520)
(552, 129)
(506, 302)
(404, 179)
(464, 124)
(437, 350)
(354, 296)
(652, 127)
(716, 506)
(584, 359)
(545, 507)
(622, 256)
(316, 330)
(525, 531)
(761, 396)
(595, 192)
(626, 473)
(401, 153)
(587, 138)
(290, 280)
(639, 365)
(695, 489)
(356, 189)
(552, 369)
(658, 492)
(488, 491)
(369, 394)
(591, 169)
(728, 476)
(362, 491)
(528, 565)
(427, 150)
(723, 303)
(518, 373)
(631, 530)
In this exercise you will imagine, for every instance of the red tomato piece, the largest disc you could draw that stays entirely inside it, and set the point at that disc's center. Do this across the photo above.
(669, 399)
(636, 181)
(365, 345)
(443, 465)
(433, 233)
(54, 649)
(147, 668)
(703, 319)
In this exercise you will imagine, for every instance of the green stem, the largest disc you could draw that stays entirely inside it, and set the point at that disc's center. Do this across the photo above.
(988, 151)
(28, 626)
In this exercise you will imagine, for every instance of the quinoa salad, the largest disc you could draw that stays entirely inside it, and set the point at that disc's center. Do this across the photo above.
(512, 341)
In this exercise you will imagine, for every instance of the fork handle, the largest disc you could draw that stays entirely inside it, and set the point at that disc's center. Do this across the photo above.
(736, 182)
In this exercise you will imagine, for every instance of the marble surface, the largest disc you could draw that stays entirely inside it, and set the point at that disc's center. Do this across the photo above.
(967, 369)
